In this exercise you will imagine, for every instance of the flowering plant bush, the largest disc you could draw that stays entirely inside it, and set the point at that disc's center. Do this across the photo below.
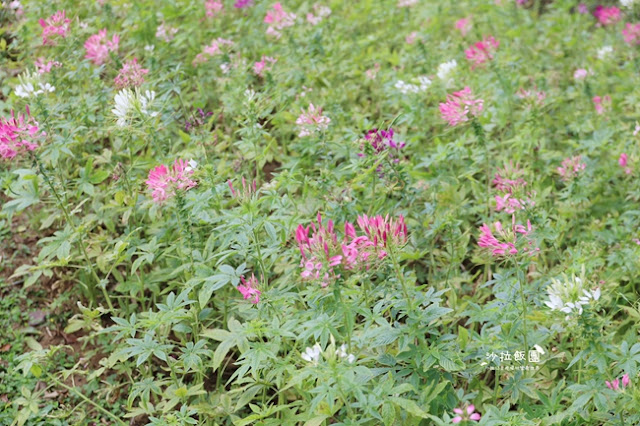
(393, 212)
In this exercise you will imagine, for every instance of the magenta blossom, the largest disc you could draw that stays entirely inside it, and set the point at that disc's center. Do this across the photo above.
(265, 64)
(213, 7)
(571, 167)
(312, 121)
(19, 135)
(45, 67)
(482, 51)
(320, 251)
(509, 178)
(249, 289)
(463, 25)
(624, 163)
(278, 19)
(511, 184)
(384, 231)
(382, 141)
(505, 242)
(57, 25)
(241, 4)
(131, 75)
(459, 105)
(466, 414)
(601, 103)
(607, 15)
(615, 384)
(98, 47)
(631, 34)
(164, 181)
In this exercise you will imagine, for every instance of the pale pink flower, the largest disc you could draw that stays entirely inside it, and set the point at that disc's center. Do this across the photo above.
(43, 67)
(636, 130)
(320, 251)
(601, 103)
(615, 384)
(411, 38)
(320, 11)
(459, 105)
(131, 75)
(583, 9)
(98, 47)
(607, 15)
(213, 7)
(463, 25)
(312, 121)
(631, 34)
(372, 73)
(465, 414)
(249, 289)
(580, 74)
(265, 64)
(19, 135)
(510, 204)
(624, 161)
(278, 19)
(164, 181)
(57, 25)
(571, 167)
(213, 49)
(482, 51)
(505, 242)
(165, 32)
(534, 96)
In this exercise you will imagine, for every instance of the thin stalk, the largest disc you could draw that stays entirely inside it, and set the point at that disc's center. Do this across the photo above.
(524, 307)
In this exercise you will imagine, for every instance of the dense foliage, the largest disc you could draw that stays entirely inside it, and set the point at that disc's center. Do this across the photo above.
(370, 212)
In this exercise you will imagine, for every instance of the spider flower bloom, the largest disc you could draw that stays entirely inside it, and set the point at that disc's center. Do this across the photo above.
(384, 232)
(570, 294)
(482, 51)
(459, 105)
(43, 67)
(571, 167)
(130, 104)
(624, 163)
(631, 34)
(164, 181)
(213, 7)
(131, 75)
(19, 135)
(463, 25)
(197, 120)
(510, 204)
(615, 384)
(241, 4)
(278, 19)
(320, 251)
(98, 47)
(465, 414)
(581, 74)
(312, 121)
(509, 239)
(263, 65)
(249, 289)
(165, 32)
(601, 103)
(57, 25)
(247, 192)
(607, 15)
(382, 141)
(509, 178)
(213, 49)
(321, 12)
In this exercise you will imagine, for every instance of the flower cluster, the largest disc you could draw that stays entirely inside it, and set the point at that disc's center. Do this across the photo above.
(482, 51)
(381, 141)
(213, 49)
(312, 121)
(164, 181)
(601, 103)
(322, 253)
(459, 105)
(18, 135)
(241, 4)
(465, 414)
(571, 167)
(98, 47)
(265, 64)
(508, 242)
(581, 74)
(463, 25)
(44, 67)
(165, 32)
(445, 70)
(320, 12)
(511, 184)
(405, 88)
(57, 25)
(278, 20)
(131, 75)
(631, 34)
(249, 289)
(213, 7)
(615, 384)
(129, 103)
(31, 84)
(569, 295)
(607, 15)
(247, 192)
(314, 353)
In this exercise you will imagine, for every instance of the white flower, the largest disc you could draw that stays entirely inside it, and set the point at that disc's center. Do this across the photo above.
(28, 83)
(226, 67)
(627, 3)
(604, 52)
(149, 47)
(342, 353)
(425, 82)
(128, 103)
(312, 354)
(24, 90)
(192, 166)
(445, 69)
(570, 295)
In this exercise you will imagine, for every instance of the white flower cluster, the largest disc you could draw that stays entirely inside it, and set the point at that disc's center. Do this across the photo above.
(570, 295)
(445, 70)
(628, 3)
(313, 354)
(129, 103)
(423, 84)
(604, 52)
(31, 84)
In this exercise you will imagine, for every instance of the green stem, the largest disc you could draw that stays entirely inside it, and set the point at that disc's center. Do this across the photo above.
(400, 275)
(524, 307)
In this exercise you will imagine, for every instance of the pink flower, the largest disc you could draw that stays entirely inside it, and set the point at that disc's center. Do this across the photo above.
(165, 32)
(510, 204)
(247, 192)
(249, 289)
(278, 19)
(43, 67)
(463, 25)
(213, 49)
(509, 178)
(601, 103)
(615, 384)
(131, 75)
(482, 51)
(384, 232)
(623, 161)
(263, 65)
(382, 141)
(213, 7)
(54, 26)
(607, 15)
(312, 121)
(241, 4)
(583, 9)
(19, 135)
(580, 74)
(320, 251)
(98, 47)
(411, 38)
(371, 73)
(570, 168)
(631, 34)
(507, 240)
(465, 414)
(534, 96)
(164, 181)
(321, 12)
(459, 105)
